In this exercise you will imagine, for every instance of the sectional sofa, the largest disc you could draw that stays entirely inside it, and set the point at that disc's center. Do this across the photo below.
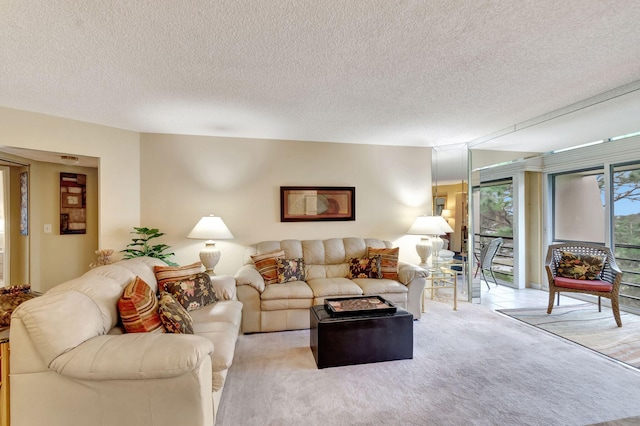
(72, 364)
(327, 272)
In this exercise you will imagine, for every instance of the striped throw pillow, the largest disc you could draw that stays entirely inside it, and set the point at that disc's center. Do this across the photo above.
(169, 274)
(138, 307)
(267, 265)
(388, 261)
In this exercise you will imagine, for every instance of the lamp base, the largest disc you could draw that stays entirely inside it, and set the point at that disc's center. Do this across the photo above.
(423, 248)
(209, 256)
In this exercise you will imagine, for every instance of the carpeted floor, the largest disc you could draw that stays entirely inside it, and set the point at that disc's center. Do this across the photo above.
(586, 326)
(470, 367)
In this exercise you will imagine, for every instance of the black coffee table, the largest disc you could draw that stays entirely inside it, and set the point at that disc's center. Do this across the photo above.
(360, 339)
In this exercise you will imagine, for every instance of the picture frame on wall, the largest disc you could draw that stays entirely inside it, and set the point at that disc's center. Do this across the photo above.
(439, 204)
(24, 204)
(317, 203)
(73, 203)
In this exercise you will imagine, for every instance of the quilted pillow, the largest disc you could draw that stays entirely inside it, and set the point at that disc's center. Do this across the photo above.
(580, 267)
(365, 267)
(267, 265)
(290, 270)
(193, 292)
(166, 274)
(388, 261)
(138, 307)
(173, 315)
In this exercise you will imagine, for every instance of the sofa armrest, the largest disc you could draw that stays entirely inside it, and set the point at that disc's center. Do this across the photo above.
(135, 356)
(407, 272)
(249, 275)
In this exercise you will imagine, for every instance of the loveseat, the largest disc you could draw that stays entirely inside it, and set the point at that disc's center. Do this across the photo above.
(73, 364)
(326, 269)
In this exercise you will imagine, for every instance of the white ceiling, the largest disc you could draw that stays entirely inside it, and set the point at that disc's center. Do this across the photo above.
(413, 73)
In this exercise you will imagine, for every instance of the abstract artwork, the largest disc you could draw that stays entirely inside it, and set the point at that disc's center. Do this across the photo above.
(317, 203)
(24, 203)
(73, 203)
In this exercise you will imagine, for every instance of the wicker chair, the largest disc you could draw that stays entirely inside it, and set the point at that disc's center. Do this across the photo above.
(485, 261)
(606, 285)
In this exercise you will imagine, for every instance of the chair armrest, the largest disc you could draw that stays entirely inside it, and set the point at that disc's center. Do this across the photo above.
(136, 356)
(407, 272)
(249, 275)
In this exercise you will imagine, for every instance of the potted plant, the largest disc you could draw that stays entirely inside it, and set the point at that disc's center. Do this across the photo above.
(141, 247)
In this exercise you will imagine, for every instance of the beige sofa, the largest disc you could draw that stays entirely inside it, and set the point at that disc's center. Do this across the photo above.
(286, 306)
(71, 364)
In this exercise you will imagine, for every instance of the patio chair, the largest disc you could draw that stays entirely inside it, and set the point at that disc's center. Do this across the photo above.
(584, 268)
(485, 261)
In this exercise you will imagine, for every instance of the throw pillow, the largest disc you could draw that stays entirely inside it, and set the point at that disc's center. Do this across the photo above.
(165, 274)
(267, 265)
(388, 261)
(193, 292)
(290, 270)
(138, 307)
(10, 298)
(580, 267)
(173, 315)
(365, 267)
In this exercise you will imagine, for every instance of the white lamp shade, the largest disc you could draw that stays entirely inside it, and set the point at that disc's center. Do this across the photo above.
(428, 225)
(210, 228)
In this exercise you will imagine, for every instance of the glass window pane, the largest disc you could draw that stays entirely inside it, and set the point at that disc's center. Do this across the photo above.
(579, 207)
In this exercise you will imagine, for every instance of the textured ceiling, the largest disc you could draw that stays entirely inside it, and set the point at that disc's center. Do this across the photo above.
(416, 73)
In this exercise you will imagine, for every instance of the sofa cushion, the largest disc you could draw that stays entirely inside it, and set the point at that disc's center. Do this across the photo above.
(380, 286)
(143, 267)
(290, 290)
(224, 336)
(290, 270)
(388, 261)
(166, 274)
(580, 267)
(229, 311)
(267, 265)
(59, 322)
(365, 267)
(173, 315)
(193, 292)
(325, 287)
(138, 308)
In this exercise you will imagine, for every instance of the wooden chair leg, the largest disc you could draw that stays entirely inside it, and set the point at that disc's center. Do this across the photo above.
(615, 307)
(551, 299)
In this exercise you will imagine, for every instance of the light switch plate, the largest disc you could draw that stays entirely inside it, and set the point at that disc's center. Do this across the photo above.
(47, 228)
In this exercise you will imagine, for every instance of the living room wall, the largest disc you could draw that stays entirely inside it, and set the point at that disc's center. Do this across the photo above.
(186, 177)
(118, 186)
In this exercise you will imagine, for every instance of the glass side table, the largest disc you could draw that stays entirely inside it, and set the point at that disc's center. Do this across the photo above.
(441, 277)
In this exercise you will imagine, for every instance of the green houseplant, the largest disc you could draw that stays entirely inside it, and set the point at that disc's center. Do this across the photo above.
(141, 247)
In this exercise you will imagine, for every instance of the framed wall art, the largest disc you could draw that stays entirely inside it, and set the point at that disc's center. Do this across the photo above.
(73, 203)
(439, 204)
(24, 203)
(317, 203)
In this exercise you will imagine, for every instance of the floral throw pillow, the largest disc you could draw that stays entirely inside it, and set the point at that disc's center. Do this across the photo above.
(580, 267)
(194, 292)
(173, 315)
(365, 267)
(290, 270)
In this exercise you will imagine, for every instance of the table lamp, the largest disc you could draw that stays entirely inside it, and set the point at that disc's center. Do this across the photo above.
(425, 226)
(210, 228)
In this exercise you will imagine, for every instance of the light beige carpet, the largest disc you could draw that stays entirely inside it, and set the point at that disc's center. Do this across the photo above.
(471, 367)
(583, 324)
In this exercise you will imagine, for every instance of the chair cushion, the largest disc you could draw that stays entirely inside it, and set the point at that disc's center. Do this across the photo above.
(588, 285)
(581, 267)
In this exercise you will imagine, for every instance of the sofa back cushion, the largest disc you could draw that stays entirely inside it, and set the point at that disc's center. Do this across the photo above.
(322, 258)
(59, 322)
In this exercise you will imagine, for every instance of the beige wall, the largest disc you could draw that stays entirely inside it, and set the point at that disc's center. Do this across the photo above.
(186, 177)
(119, 174)
(534, 231)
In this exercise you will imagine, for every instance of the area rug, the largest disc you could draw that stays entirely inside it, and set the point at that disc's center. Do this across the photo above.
(583, 324)
(473, 366)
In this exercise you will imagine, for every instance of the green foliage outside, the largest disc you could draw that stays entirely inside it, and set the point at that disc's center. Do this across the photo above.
(140, 246)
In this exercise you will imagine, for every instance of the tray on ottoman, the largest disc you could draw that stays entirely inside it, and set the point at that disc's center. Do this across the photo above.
(359, 305)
